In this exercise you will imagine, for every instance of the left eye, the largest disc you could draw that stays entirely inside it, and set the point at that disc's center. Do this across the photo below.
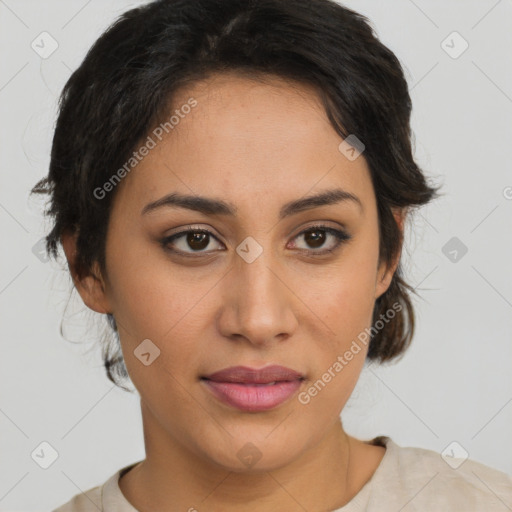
(199, 239)
(316, 236)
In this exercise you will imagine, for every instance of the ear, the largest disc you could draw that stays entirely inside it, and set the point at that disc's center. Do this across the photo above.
(385, 272)
(91, 287)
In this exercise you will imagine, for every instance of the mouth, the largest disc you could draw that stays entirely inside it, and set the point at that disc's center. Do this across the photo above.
(251, 389)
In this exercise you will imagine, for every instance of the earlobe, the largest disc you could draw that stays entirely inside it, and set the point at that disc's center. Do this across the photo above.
(386, 272)
(91, 286)
(384, 277)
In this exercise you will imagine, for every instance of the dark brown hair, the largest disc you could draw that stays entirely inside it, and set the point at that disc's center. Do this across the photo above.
(127, 81)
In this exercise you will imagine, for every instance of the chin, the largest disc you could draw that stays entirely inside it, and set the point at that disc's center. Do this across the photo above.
(255, 452)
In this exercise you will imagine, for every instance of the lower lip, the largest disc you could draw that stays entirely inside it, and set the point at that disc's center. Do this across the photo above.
(251, 397)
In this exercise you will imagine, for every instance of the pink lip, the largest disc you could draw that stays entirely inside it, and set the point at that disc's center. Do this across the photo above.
(248, 389)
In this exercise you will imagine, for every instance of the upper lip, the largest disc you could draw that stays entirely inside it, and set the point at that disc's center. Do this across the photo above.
(246, 374)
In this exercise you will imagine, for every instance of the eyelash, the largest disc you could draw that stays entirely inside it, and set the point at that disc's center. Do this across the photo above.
(340, 235)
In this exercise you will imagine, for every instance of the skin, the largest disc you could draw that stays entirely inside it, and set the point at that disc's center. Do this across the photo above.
(257, 146)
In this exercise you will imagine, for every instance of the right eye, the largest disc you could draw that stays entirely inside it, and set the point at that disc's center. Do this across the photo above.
(189, 242)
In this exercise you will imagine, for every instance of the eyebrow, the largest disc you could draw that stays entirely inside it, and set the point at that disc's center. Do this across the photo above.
(210, 206)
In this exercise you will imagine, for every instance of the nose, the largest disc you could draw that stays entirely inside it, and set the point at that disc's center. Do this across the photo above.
(258, 304)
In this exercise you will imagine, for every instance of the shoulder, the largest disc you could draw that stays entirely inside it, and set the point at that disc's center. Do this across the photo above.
(417, 478)
(107, 496)
(89, 501)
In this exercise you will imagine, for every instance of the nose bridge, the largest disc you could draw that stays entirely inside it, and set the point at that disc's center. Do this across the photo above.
(261, 284)
(260, 305)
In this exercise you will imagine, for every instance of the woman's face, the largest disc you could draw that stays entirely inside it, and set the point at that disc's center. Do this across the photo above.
(290, 295)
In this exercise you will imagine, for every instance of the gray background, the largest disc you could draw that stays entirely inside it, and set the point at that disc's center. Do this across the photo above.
(455, 382)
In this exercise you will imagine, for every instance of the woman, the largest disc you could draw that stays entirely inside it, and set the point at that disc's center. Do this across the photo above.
(230, 182)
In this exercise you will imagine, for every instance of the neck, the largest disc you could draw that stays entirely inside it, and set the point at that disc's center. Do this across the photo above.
(325, 476)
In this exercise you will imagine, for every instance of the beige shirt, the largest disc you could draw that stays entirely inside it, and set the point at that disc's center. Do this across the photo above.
(406, 480)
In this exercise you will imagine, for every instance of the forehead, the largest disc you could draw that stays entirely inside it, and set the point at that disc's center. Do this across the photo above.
(251, 115)
(245, 137)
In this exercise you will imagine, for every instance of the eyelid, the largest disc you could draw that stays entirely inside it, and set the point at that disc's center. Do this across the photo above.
(320, 224)
(191, 227)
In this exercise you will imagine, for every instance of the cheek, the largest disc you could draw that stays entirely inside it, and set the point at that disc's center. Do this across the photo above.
(348, 300)
(151, 297)
(171, 320)
(348, 303)
(155, 304)
(329, 389)
(161, 351)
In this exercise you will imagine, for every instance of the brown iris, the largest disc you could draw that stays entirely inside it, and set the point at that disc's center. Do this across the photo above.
(197, 241)
(317, 238)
